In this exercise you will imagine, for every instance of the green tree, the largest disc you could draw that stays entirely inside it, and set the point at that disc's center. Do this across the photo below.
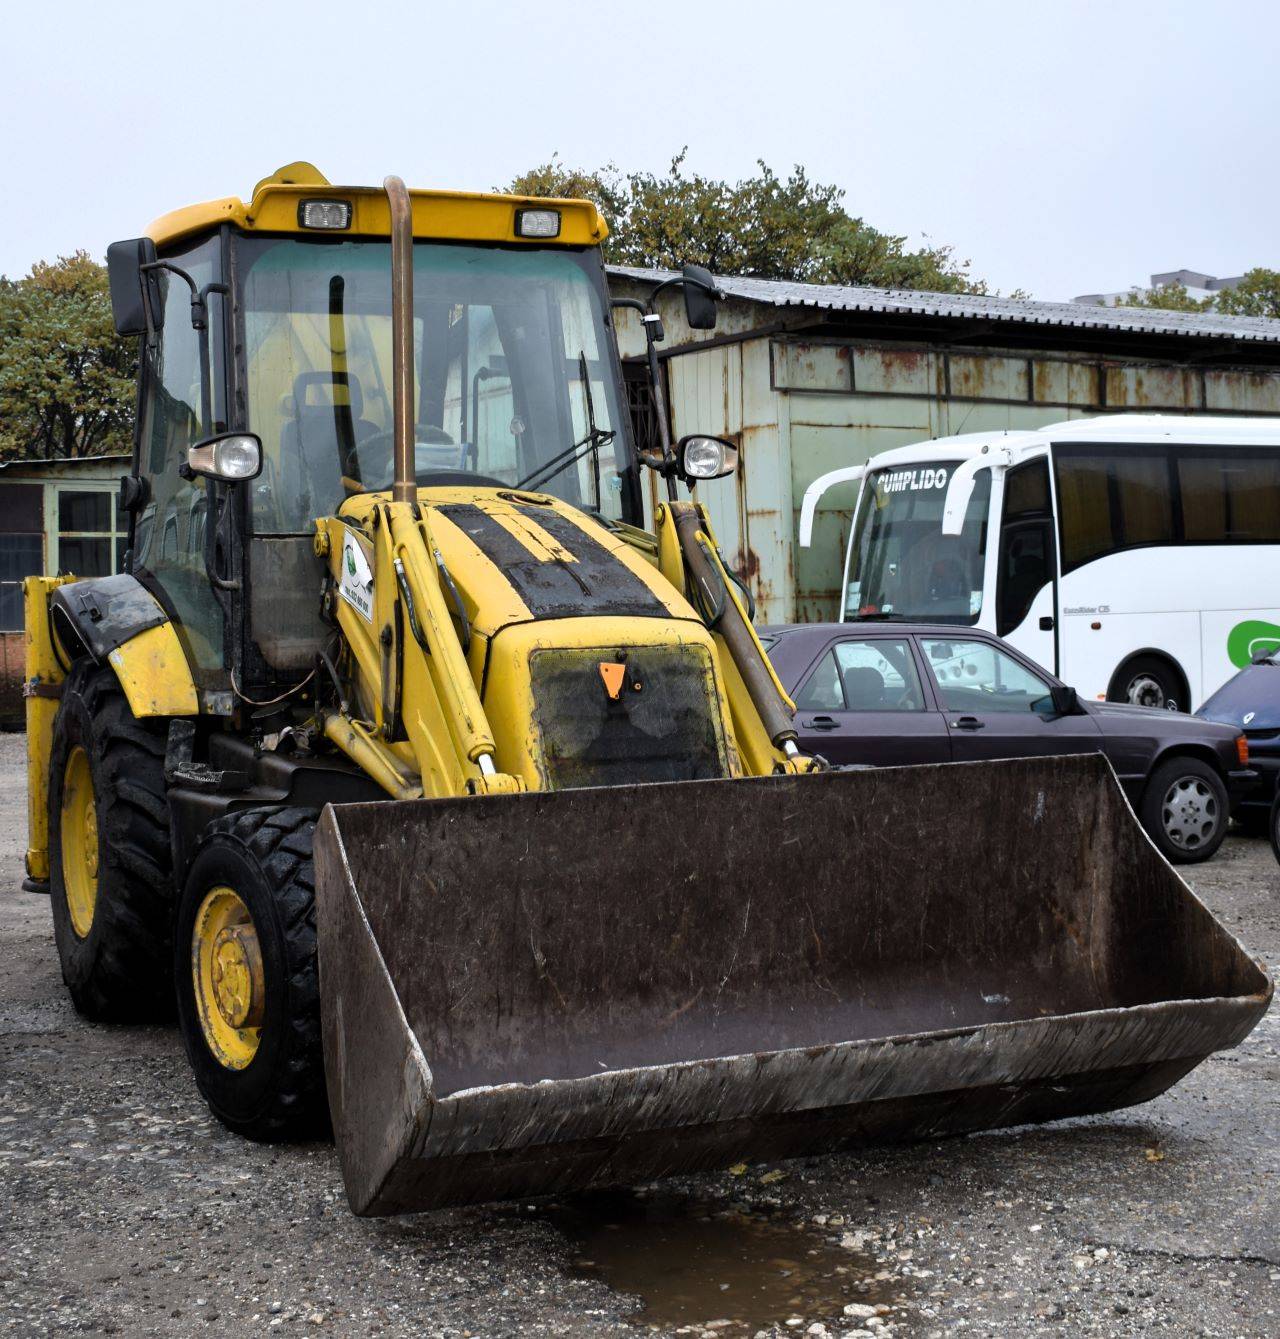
(763, 226)
(1257, 294)
(66, 378)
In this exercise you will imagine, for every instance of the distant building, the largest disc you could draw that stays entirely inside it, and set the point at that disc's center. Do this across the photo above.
(55, 516)
(1197, 285)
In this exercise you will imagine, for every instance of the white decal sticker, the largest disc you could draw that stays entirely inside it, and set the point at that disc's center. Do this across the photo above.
(911, 481)
(356, 585)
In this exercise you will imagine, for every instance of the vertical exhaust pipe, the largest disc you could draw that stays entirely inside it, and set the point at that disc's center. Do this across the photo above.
(404, 488)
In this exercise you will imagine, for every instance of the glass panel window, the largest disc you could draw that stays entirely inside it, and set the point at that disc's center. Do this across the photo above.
(512, 374)
(169, 532)
(83, 556)
(79, 510)
(1230, 497)
(1145, 501)
(977, 677)
(1026, 568)
(879, 675)
(902, 565)
(20, 556)
(822, 690)
(1084, 509)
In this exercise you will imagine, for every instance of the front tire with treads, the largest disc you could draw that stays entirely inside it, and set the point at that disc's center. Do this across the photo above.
(110, 875)
(247, 984)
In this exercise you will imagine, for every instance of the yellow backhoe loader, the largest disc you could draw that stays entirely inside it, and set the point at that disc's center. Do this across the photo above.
(465, 813)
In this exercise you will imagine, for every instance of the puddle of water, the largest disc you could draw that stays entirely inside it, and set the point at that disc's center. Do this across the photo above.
(694, 1261)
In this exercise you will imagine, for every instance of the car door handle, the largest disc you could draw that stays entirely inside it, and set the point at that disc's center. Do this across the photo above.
(821, 723)
(968, 723)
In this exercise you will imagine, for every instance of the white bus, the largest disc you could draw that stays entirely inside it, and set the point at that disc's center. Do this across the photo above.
(1136, 556)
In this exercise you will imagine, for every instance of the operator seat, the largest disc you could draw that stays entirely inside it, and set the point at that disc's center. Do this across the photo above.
(314, 445)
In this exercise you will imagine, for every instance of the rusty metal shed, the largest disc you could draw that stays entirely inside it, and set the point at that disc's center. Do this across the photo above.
(807, 378)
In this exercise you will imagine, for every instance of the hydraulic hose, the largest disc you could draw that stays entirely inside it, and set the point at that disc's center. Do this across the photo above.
(710, 578)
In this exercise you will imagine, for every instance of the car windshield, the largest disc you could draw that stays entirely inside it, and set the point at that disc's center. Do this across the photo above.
(512, 364)
(901, 565)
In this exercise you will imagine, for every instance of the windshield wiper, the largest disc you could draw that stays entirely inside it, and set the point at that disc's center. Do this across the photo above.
(592, 442)
(878, 617)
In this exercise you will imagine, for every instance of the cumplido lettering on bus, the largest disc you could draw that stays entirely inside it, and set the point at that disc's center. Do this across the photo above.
(913, 481)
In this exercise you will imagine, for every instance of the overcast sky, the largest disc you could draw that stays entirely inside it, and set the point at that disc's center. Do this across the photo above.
(1062, 147)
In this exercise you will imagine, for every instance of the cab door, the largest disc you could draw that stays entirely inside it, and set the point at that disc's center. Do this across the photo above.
(169, 530)
(997, 707)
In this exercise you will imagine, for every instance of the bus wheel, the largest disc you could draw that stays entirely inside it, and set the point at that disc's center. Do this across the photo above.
(1149, 681)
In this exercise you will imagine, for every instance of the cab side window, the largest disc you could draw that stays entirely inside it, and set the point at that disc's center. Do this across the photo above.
(169, 535)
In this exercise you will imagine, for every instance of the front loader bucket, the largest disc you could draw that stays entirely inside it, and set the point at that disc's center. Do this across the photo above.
(546, 992)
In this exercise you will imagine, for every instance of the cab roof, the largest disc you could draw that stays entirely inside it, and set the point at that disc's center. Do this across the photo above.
(446, 215)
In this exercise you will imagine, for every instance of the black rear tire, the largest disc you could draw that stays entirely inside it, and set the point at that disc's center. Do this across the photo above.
(264, 857)
(118, 970)
(1184, 809)
(1149, 681)
(1275, 825)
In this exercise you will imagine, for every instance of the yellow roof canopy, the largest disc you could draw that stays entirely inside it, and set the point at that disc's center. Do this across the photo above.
(448, 215)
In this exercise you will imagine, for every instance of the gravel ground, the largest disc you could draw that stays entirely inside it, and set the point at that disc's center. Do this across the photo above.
(130, 1211)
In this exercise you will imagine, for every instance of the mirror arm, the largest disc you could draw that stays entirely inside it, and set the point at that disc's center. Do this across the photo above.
(653, 332)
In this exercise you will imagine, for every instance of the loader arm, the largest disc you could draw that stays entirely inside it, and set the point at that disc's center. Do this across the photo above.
(424, 731)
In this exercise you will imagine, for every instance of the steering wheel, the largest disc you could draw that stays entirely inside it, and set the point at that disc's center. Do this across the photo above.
(374, 457)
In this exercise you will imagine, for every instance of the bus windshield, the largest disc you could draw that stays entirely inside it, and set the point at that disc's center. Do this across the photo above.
(901, 566)
(513, 373)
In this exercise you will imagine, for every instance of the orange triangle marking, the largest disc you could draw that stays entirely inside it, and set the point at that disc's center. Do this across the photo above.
(613, 675)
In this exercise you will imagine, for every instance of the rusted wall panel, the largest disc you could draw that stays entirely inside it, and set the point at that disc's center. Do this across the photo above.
(1238, 391)
(983, 376)
(1149, 387)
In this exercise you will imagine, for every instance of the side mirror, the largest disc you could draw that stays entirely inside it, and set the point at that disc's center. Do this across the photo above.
(700, 457)
(230, 456)
(1065, 701)
(135, 292)
(700, 295)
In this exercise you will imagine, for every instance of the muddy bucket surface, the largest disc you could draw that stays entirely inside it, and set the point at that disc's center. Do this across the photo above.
(529, 994)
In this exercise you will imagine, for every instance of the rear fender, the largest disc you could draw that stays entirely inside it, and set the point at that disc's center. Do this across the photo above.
(117, 621)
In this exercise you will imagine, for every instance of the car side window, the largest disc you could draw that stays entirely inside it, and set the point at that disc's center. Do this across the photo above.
(975, 676)
(821, 691)
(875, 674)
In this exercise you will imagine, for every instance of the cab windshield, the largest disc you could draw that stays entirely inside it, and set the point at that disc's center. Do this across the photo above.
(512, 364)
(901, 566)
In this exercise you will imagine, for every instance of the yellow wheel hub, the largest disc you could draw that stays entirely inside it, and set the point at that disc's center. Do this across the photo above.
(226, 967)
(79, 841)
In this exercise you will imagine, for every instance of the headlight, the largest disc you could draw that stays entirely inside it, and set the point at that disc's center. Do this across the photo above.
(707, 457)
(231, 457)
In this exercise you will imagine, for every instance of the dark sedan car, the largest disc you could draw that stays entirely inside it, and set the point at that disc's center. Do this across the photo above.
(1251, 702)
(894, 693)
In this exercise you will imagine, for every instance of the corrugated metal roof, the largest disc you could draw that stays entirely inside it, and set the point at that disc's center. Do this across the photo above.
(972, 307)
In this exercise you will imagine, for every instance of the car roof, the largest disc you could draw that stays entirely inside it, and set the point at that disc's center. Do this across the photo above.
(873, 628)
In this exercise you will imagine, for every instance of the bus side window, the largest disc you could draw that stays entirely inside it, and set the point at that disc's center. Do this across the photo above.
(1026, 543)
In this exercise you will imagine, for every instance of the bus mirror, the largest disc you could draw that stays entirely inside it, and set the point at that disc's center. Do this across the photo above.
(959, 490)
